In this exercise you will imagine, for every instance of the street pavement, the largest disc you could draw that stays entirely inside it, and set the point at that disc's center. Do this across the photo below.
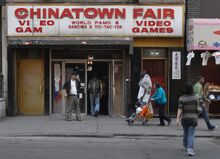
(104, 148)
(103, 126)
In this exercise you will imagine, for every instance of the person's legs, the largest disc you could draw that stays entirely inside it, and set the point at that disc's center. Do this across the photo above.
(185, 134)
(190, 140)
(77, 108)
(164, 115)
(69, 108)
(206, 118)
(92, 104)
(97, 103)
(161, 115)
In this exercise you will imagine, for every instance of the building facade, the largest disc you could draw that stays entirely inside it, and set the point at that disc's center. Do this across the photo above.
(45, 41)
(203, 19)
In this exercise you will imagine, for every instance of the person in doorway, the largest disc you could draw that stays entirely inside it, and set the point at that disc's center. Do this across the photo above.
(145, 86)
(72, 90)
(160, 99)
(199, 91)
(94, 87)
(188, 111)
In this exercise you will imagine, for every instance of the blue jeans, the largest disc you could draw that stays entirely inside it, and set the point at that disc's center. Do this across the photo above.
(188, 136)
(94, 103)
(206, 118)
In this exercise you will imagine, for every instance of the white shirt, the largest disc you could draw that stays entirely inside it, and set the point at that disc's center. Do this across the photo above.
(205, 57)
(73, 90)
(217, 57)
(189, 58)
(145, 84)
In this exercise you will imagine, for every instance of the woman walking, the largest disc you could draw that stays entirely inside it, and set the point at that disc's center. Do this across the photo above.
(188, 110)
(160, 100)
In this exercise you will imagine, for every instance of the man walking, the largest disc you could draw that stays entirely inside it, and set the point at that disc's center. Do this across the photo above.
(145, 86)
(94, 87)
(72, 89)
(199, 91)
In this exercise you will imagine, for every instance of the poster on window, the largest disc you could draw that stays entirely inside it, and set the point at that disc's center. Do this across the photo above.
(176, 65)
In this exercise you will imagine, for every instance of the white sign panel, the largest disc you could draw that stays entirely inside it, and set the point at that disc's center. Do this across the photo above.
(203, 34)
(176, 65)
(54, 20)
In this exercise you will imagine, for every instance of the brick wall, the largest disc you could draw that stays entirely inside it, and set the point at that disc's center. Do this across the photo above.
(194, 8)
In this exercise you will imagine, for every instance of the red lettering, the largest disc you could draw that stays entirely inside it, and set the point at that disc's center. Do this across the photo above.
(53, 13)
(19, 29)
(120, 14)
(154, 30)
(21, 13)
(66, 13)
(106, 13)
(168, 13)
(90, 13)
(159, 23)
(42, 23)
(137, 12)
(23, 22)
(77, 12)
(170, 30)
(167, 23)
(151, 23)
(139, 23)
(150, 14)
(50, 23)
(37, 30)
(135, 30)
(35, 13)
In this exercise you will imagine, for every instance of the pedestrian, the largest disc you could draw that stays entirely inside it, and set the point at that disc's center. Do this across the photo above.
(199, 91)
(206, 96)
(94, 87)
(188, 111)
(71, 93)
(160, 99)
(145, 86)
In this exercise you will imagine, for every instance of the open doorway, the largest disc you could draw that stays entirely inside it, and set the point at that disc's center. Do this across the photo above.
(101, 69)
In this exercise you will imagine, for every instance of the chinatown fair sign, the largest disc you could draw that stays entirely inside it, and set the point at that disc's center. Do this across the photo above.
(132, 21)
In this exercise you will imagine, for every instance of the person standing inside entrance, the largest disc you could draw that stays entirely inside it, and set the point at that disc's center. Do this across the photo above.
(94, 87)
(199, 91)
(145, 86)
(72, 90)
(160, 99)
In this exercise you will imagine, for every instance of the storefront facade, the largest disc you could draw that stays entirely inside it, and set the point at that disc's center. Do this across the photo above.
(47, 42)
(203, 45)
(201, 17)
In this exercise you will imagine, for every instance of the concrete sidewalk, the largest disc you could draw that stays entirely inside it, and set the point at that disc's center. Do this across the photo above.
(103, 126)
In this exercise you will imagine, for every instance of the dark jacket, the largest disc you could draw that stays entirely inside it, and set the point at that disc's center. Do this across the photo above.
(67, 87)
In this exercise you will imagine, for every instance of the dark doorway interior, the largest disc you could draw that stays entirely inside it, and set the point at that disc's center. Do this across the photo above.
(102, 71)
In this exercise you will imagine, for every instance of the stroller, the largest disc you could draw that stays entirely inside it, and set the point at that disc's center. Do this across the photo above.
(143, 113)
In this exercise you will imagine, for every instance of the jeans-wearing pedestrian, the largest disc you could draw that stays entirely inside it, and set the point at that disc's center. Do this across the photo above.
(199, 91)
(188, 111)
(95, 89)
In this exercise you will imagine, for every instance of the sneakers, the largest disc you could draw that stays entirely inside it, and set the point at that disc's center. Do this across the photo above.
(213, 128)
(190, 152)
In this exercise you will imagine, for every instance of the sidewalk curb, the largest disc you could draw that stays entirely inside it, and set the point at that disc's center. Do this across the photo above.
(108, 135)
